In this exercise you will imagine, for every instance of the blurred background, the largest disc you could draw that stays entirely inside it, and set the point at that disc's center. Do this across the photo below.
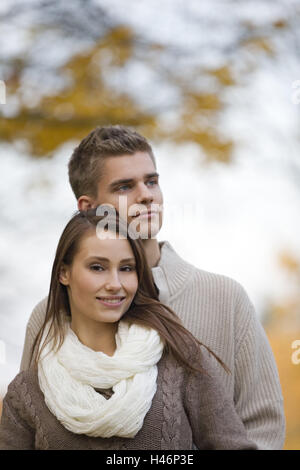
(215, 87)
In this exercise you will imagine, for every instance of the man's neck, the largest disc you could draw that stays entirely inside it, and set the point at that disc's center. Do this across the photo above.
(152, 251)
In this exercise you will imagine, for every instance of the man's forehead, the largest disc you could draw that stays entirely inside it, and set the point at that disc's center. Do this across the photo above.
(128, 167)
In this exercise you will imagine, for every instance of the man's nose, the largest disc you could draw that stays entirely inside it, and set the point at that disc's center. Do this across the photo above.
(144, 195)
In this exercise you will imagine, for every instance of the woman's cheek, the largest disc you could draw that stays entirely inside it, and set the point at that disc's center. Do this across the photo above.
(134, 286)
(90, 283)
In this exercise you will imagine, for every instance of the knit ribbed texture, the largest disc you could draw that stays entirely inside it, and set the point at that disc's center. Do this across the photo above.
(177, 418)
(217, 310)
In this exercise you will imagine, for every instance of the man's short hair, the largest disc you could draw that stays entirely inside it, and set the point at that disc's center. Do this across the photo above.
(86, 163)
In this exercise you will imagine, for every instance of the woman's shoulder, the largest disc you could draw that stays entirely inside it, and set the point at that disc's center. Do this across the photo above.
(208, 360)
(198, 356)
(23, 388)
(29, 376)
(208, 384)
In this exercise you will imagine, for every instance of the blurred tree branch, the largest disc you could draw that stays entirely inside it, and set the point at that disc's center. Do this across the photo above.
(86, 68)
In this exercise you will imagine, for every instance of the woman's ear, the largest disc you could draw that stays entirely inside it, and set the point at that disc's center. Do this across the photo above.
(64, 275)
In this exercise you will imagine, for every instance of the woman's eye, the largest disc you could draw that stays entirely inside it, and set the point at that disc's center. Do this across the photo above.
(128, 268)
(97, 267)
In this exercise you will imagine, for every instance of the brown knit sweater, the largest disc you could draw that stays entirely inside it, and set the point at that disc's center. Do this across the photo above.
(218, 312)
(186, 408)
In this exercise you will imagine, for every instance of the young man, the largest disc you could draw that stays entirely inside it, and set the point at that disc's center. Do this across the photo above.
(115, 161)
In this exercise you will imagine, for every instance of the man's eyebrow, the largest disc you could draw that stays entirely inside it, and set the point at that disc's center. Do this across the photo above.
(119, 182)
(116, 183)
(152, 175)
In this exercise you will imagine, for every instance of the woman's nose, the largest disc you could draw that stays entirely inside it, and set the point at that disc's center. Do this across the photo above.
(113, 282)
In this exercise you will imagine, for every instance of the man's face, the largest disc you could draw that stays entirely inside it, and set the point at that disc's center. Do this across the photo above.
(135, 178)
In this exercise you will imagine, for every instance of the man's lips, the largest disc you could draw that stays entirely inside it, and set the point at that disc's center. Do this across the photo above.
(146, 215)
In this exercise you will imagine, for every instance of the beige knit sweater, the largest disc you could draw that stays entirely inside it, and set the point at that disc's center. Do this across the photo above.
(217, 310)
(186, 408)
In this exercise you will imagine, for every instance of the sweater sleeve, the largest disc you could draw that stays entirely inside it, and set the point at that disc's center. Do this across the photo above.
(257, 392)
(34, 324)
(16, 433)
(214, 421)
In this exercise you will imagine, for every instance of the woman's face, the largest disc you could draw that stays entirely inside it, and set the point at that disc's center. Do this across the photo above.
(102, 279)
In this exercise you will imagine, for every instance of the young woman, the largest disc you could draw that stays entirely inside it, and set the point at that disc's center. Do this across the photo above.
(112, 367)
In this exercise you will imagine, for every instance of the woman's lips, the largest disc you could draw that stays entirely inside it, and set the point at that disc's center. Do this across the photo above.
(111, 301)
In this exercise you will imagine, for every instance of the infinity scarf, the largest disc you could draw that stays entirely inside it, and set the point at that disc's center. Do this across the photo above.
(68, 379)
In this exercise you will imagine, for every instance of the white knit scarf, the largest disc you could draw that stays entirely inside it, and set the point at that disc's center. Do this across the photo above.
(68, 379)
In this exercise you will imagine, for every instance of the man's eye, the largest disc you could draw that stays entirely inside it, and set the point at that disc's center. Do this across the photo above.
(152, 182)
(124, 187)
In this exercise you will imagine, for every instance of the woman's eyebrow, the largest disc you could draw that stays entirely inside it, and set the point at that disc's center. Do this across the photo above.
(100, 258)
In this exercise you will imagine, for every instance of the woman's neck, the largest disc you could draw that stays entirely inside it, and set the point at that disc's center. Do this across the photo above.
(97, 336)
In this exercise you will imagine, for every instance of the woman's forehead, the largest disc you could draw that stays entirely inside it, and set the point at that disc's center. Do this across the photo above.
(112, 247)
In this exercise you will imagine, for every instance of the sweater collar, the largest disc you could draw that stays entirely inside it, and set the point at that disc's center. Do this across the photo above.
(172, 272)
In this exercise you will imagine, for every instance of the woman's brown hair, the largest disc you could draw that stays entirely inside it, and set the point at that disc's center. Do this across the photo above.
(145, 310)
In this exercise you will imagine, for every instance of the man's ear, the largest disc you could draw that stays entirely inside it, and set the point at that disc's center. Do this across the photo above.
(64, 275)
(85, 203)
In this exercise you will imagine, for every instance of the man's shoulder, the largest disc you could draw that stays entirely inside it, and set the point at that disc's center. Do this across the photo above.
(199, 280)
(223, 290)
(216, 281)
(38, 313)
(41, 305)
(201, 274)
(219, 280)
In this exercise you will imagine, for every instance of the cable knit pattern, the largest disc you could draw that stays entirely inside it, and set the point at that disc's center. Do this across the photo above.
(173, 374)
(21, 400)
(171, 423)
(218, 311)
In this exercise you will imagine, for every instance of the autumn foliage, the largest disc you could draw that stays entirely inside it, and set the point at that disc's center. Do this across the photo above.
(289, 374)
(283, 329)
